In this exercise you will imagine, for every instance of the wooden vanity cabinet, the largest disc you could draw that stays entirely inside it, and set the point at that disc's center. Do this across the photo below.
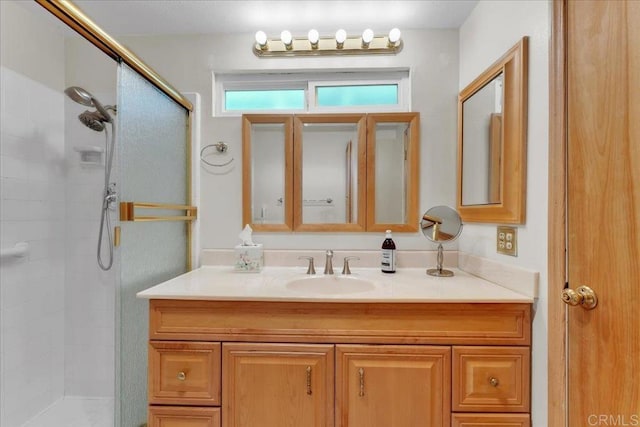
(309, 364)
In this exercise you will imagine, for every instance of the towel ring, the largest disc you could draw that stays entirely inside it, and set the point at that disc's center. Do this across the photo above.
(221, 147)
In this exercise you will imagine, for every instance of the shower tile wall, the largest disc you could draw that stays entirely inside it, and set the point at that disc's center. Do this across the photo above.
(57, 312)
(32, 189)
(90, 292)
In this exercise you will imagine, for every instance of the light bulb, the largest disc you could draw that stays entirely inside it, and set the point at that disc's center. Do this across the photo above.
(341, 36)
(394, 36)
(313, 37)
(286, 38)
(261, 39)
(367, 36)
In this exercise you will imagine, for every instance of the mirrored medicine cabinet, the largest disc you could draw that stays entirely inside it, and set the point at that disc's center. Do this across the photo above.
(492, 126)
(331, 172)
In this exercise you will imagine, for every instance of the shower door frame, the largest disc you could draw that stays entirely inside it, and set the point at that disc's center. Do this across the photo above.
(73, 17)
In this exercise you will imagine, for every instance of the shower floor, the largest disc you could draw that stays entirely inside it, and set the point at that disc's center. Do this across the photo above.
(76, 412)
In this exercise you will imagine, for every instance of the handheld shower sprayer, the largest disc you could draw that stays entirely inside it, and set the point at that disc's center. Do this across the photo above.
(83, 97)
(96, 120)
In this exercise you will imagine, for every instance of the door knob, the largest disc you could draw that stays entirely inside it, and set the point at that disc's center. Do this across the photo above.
(583, 295)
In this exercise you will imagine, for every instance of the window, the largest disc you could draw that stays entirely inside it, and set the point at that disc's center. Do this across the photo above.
(355, 95)
(265, 99)
(328, 92)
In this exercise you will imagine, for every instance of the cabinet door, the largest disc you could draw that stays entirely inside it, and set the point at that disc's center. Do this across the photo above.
(277, 385)
(493, 420)
(393, 386)
(176, 416)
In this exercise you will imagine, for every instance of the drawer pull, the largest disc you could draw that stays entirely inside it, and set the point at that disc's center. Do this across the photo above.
(494, 381)
(361, 375)
(182, 376)
(309, 391)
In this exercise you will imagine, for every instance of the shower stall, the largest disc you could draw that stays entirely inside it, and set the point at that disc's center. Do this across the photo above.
(83, 133)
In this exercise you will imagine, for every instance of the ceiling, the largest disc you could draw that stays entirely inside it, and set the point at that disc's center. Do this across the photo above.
(157, 17)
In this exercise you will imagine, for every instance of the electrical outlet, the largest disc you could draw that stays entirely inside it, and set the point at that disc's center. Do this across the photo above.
(507, 240)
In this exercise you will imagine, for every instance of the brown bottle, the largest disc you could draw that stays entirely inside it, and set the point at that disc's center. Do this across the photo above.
(388, 254)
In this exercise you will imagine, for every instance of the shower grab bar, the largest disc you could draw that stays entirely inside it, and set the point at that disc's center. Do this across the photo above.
(20, 250)
(128, 212)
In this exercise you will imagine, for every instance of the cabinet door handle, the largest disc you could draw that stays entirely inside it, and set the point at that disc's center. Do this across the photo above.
(494, 381)
(309, 390)
(182, 376)
(361, 376)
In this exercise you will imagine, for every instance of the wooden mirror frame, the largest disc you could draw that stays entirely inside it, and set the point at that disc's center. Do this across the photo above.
(299, 121)
(365, 221)
(413, 173)
(513, 188)
(247, 121)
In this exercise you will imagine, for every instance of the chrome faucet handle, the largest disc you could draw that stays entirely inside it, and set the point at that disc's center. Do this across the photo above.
(311, 269)
(328, 264)
(345, 267)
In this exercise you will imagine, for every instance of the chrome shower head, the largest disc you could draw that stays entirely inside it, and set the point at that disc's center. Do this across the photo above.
(93, 120)
(83, 97)
(79, 95)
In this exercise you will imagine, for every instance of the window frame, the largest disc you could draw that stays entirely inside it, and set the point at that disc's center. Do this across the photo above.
(309, 81)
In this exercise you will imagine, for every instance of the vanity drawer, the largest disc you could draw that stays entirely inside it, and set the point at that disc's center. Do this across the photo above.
(176, 416)
(184, 373)
(493, 420)
(491, 379)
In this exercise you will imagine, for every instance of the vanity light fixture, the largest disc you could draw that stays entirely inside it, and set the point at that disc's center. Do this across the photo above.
(341, 36)
(367, 37)
(313, 37)
(339, 44)
(394, 37)
(287, 39)
(261, 40)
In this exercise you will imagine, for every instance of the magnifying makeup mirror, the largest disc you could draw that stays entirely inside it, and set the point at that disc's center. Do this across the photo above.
(441, 224)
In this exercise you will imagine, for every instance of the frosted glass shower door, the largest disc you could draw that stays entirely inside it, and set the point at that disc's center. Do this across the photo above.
(154, 168)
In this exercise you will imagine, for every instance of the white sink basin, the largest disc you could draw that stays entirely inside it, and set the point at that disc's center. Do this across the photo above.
(331, 285)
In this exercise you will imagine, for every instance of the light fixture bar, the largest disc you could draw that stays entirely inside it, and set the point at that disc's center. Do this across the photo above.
(353, 45)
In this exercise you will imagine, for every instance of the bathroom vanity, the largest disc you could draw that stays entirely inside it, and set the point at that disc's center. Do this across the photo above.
(232, 350)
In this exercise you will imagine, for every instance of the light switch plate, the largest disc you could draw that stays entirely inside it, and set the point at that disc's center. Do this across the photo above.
(507, 240)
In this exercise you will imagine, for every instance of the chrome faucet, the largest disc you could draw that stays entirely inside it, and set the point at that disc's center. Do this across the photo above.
(310, 269)
(345, 267)
(328, 264)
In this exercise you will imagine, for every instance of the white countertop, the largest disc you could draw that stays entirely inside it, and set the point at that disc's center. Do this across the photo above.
(274, 284)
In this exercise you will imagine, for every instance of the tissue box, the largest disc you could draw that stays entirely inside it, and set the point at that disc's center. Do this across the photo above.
(249, 258)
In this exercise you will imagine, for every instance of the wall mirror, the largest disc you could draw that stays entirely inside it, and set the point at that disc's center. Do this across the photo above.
(267, 148)
(393, 157)
(492, 126)
(331, 172)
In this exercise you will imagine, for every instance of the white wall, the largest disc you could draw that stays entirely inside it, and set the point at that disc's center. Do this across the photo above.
(33, 210)
(188, 61)
(492, 28)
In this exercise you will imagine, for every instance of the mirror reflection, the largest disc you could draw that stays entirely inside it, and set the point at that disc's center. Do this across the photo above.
(441, 224)
(329, 173)
(268, 173)
(482, 147)
(392, 143)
